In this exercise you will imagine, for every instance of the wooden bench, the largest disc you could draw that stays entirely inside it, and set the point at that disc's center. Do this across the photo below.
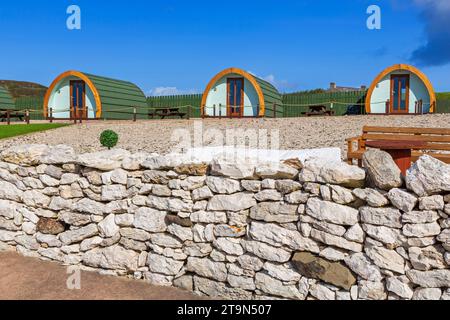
(6, 114)
(167, 112)
(437, 141)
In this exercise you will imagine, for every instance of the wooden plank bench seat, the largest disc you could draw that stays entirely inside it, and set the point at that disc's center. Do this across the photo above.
(437, 141)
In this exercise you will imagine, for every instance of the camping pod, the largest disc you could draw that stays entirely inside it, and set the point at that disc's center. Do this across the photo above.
(235, 93)
(401, 89)
(74, 94)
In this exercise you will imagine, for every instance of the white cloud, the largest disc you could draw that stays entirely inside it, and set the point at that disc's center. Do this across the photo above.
(169, 91)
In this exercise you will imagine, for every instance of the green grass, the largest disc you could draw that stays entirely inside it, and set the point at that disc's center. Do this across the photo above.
(21, 129)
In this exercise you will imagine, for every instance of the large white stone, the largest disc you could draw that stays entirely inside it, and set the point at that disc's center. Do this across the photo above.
(235, 202)
(275, 287)
(231, 169)
(427, 258)
(150, 220)
(388, 217)
(400, 286)
(115, 257)
(322, 170)
(386, 259)
(428, 176)
(108, 226)
(266, 252)
(78, 235)
(331, 212)
(274, 170)
(421, 230)
(223, 185)
(8, 191)
(382, 171)
(104, 160)
(402, 199)
(362, 266)
(430, 279)
(373, 197)
(207, 268)
(160, 264)
(427, 294)
(25, 155)
(335, 241)
(277, 236)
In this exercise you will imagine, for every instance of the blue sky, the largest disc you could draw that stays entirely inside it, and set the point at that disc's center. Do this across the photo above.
(177, 46)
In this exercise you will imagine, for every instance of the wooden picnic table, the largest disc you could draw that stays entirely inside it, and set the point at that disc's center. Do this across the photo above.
(318, 110)
(400, 150)
(7, 114)
(167, 112)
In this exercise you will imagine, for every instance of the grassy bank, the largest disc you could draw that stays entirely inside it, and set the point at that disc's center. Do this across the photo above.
(21, 129)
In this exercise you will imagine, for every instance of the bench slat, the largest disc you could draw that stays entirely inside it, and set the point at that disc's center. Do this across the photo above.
(437, 131)
(391, 137)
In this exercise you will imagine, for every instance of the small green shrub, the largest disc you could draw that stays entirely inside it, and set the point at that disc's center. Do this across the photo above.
(109, 139)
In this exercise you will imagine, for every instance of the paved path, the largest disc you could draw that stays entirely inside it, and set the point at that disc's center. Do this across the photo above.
(24, 278)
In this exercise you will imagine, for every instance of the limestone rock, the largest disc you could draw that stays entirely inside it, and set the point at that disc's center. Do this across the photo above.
(108, 227)
(336, 241)
(60, 154)
(234, 170)
(331, 272)
(229, 245)
(104, 160)
(207, 268)
(402, 200)
(400, 286)
(33, 198)
(360, 264)
(435, 202)
(332, 172)
(388, 217)
(223, 185)
(194, 169)
(266, 252)
(113, 192)
(386, 259)
(8, 191)
(368, 290)
(268, 195)
(274, 212)
(421, 230)
(427, 258)
(160, 264)
(114, 257)
(430, 279)
(25, 155)
(234, 202)
(392, 238)
(331, 212)
(276, 171)
(428, 176)
(420, 217)
(373, 197)
(382, 170)
(150, 220)
(278, 236)
(220, 290)
(275, 287)
(427, 294)
(78, 235)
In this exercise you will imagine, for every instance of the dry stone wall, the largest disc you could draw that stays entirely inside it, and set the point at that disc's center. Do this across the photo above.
(312, 230)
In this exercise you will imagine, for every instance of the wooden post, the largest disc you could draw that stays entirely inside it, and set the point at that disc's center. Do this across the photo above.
(8, 117)
(214, 111)
(134, 114)
(388, 107)
(51, 115)
(81, 117)
(274, 110)
(27, 116)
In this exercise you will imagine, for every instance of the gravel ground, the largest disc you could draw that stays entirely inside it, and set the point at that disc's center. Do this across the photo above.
(23, 278)
(155, 135)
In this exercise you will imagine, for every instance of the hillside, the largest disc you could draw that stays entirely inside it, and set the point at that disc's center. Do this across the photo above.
(23, 89)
